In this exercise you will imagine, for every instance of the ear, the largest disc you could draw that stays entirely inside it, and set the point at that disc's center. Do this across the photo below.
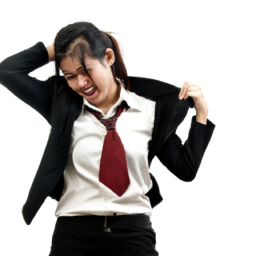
(109, 57)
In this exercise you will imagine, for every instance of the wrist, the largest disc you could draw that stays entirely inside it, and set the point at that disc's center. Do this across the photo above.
(201, 117)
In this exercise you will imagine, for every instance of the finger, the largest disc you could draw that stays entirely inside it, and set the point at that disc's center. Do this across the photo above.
(187, 86)
(182, 90)
(192, 88)
(195, 94)
(185, 90)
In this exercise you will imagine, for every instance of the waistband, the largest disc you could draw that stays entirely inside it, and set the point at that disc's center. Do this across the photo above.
(132, 220)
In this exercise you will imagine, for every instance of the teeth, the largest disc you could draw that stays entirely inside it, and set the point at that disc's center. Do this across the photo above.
(89, 90)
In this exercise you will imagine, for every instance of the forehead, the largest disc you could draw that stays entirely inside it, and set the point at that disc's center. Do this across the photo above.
(72, 64)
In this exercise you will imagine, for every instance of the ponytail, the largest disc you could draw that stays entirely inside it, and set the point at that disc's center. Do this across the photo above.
(118, 68)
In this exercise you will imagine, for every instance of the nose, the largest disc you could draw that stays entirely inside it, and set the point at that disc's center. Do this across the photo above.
(81, 81)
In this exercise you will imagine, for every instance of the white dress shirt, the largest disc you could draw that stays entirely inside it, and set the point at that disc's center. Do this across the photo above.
(83, 194)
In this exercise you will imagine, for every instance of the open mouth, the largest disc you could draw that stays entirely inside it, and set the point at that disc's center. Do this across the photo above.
(90, 91)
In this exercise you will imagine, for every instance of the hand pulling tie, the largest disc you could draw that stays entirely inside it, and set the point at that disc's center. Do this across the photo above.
(113, 166)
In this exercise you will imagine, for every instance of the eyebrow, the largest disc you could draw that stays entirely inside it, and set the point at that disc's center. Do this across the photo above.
(66, 72)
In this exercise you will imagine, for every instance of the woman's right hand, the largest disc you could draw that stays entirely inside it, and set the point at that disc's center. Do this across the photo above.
(51, 52)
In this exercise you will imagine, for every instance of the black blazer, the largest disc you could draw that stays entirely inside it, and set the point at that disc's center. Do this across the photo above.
(61, 107)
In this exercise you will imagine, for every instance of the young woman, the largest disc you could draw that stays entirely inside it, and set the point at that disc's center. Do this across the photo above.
(106, 129)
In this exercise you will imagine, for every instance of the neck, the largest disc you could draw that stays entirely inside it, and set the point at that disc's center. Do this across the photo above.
(114, 96)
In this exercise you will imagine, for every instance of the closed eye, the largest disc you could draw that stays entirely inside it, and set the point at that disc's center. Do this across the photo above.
(70, 77)
(80, 72)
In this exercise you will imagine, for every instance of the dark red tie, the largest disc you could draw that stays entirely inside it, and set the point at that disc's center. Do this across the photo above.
(113, 166)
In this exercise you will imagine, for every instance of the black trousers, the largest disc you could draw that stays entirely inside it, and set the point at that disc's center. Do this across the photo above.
(122, 235)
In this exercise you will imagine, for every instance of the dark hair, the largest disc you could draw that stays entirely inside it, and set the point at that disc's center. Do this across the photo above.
(82, 39)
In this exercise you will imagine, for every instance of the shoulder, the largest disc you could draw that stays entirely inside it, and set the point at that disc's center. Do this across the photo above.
(140, 100)
(146, 106)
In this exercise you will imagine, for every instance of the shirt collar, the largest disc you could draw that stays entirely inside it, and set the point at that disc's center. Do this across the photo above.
(128, 97)
(124, 95)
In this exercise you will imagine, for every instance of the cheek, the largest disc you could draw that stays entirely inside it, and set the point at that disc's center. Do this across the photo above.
(101, 78)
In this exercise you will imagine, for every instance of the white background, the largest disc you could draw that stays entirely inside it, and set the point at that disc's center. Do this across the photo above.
(209, 42)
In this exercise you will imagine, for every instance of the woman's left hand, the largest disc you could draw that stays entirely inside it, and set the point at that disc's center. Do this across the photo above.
(194, 90)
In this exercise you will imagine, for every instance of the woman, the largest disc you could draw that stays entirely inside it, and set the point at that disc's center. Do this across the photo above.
(106, 129)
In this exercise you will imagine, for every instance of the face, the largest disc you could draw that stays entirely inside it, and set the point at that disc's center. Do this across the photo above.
(102, 92)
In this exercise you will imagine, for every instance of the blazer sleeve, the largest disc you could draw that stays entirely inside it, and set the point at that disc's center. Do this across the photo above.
(14, 76)
(184, 160)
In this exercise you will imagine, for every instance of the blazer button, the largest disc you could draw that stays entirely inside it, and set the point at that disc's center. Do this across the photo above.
(107, 230)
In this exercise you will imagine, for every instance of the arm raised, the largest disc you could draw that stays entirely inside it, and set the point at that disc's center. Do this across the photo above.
(14, 76)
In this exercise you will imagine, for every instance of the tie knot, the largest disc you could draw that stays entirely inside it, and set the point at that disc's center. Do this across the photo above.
(110, 122)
